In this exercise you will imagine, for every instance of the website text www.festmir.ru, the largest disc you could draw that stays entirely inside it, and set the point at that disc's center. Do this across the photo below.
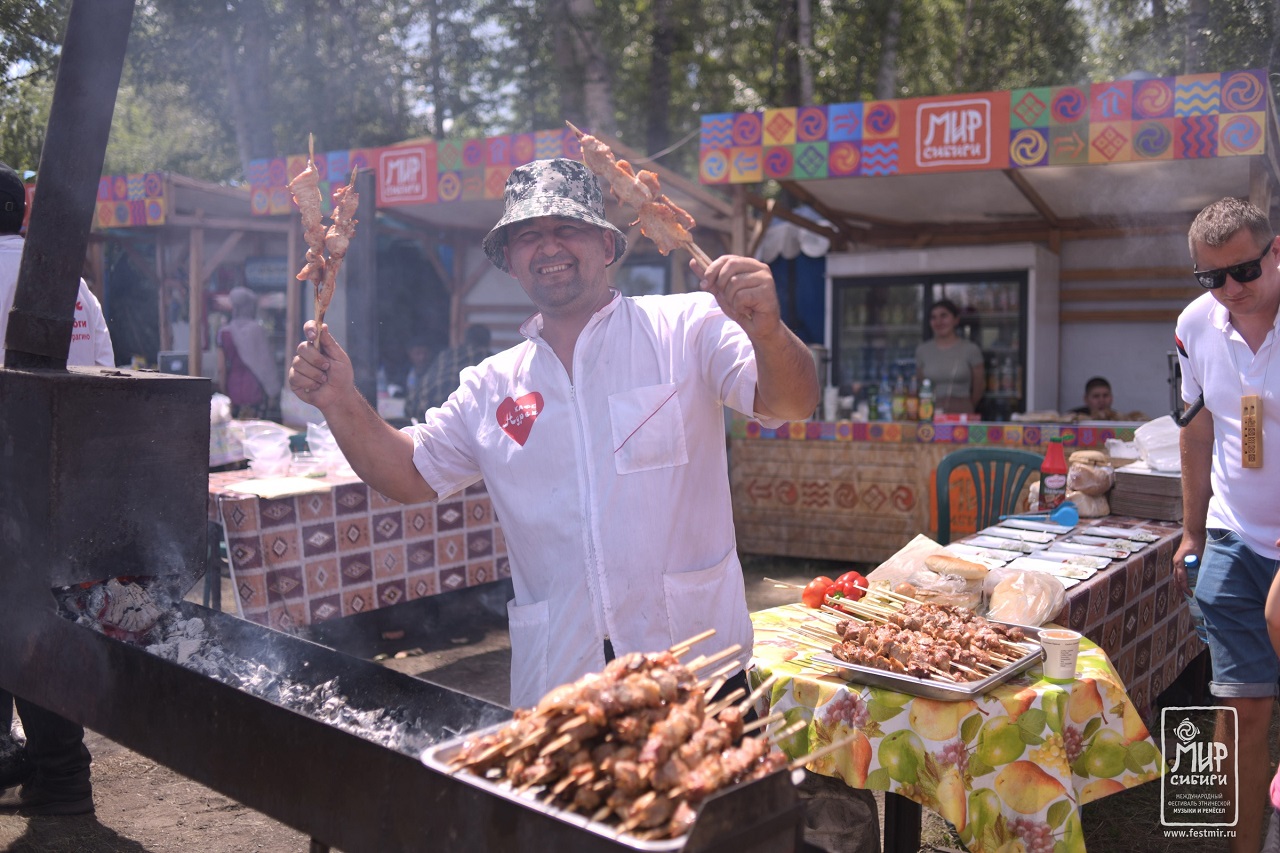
(1205, 832)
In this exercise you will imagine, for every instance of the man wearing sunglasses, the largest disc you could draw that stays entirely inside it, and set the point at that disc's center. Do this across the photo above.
(1227, 342)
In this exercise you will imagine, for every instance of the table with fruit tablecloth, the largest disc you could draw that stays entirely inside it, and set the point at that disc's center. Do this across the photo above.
(1015, 763)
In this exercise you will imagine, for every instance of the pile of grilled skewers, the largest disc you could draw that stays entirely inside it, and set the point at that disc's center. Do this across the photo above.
(890, 631)
(638, 745)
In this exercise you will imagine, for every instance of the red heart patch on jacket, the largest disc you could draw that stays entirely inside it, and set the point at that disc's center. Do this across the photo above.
(516, 417)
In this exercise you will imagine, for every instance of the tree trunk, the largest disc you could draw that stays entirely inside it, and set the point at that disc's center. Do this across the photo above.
(887, 76)
(247, 74)
(433, 43)
(1275, 34)
(566, 64)
(962, 44)
(804, 45)
(597, 90)
(658, 132)
(1197, 36)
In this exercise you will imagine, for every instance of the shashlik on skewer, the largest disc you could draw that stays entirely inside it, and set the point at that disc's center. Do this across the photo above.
(633, 743)
(660, 219)
(321, 269)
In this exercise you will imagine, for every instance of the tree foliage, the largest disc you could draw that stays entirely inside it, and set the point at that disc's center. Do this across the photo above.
(211, 84)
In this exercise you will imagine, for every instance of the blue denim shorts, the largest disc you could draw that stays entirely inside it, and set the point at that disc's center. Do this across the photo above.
(1232, 593)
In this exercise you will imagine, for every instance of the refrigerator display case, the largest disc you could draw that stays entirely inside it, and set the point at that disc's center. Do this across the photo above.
(877, 322)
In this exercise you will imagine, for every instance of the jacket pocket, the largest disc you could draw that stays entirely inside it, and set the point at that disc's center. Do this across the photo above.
(703, 599)
(648, 428)
(528, 625)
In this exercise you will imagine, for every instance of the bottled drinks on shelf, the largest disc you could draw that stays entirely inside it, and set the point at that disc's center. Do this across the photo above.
(1053, 476)
(911, 410)
(899, 401)
(926, 400)
(884, 401)
(1007, 376)
(872, 400)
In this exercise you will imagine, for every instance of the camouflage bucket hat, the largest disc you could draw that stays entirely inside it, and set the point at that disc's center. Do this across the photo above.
(558, 187)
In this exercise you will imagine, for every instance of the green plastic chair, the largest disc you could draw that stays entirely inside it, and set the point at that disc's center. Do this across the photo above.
(1000, 477)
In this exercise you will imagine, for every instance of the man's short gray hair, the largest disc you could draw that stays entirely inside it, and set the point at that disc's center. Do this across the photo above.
(1220, 221)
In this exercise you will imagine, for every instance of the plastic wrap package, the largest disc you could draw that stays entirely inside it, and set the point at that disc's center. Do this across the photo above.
(1090, 473)
(1024, 598)
(324, 450)
(1090, 506)
(1157, 441)
(266, 446)
(906, 573)
(219, 409)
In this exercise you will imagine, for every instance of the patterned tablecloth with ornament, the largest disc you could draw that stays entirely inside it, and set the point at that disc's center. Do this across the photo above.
(1013, 765)
(339, 548)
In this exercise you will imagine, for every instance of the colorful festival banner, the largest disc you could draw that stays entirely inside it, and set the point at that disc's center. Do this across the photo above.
(1167, 118)
(420, 172)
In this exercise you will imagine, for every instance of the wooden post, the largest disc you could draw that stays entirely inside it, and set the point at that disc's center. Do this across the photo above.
(195, 300)
(738, 223)
(292, 296)
(162, 296)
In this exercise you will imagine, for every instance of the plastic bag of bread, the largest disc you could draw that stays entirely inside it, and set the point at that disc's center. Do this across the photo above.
(1090, 473)
(946, 579)
(1024, 598)
(1090, 506)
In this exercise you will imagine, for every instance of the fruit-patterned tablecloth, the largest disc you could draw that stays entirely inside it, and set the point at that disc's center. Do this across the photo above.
(1013, 765)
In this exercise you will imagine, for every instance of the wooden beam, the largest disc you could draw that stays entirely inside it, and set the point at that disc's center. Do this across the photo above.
(783, 212)
(1156, 315)
(1260, 183)
(738, 238)
(1126, 274)
(1029, 192)
(1128, 294)
(220, 223)
(761, 226)
(835, 217)
(220, 254)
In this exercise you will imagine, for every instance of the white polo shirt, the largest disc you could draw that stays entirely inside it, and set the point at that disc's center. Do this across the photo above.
(1217, 361)
(612, 489)
(90, 341)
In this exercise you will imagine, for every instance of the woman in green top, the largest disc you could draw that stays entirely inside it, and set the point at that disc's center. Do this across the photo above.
(952, 363)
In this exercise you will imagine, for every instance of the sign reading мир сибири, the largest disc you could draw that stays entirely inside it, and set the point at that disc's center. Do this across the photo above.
(407, 175)
(953, 133)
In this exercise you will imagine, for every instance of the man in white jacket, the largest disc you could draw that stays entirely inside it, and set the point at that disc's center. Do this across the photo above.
(600, 439)
(53, 766)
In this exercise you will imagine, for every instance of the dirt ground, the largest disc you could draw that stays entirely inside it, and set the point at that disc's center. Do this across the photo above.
(143, 807)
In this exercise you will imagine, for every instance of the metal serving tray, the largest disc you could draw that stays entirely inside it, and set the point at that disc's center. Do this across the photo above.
(933, 688)
(756, 810)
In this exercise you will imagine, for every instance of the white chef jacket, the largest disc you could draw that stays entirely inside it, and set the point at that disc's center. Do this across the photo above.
(1217, 361)
(612, 488)
(90, 341)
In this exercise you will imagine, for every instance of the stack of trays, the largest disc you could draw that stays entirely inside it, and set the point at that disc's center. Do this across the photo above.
(1144, 493)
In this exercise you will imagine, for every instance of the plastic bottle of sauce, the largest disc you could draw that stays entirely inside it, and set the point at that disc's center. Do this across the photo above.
(926, 400)
(1053, 476)
(899, 399)
(911, 411)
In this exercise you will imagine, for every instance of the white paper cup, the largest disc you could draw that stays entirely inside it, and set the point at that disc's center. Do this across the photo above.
(1061, 648)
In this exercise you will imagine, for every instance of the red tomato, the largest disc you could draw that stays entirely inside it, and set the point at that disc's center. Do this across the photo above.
(816, 592)
(852, 585)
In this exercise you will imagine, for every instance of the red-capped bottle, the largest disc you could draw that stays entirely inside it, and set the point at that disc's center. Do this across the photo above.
(1053, 476)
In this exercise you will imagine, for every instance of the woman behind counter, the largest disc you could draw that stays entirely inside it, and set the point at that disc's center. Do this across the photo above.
(952, 363)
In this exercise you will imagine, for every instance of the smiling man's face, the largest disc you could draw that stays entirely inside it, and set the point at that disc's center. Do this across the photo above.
(560, 262)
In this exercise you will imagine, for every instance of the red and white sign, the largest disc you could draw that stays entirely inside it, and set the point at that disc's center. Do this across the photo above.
(953, 133)
(406, 176)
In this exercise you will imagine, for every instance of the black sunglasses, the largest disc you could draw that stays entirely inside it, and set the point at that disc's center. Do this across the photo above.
(1245, 272)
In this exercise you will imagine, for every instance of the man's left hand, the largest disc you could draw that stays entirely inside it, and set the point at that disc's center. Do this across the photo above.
(745, 290)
